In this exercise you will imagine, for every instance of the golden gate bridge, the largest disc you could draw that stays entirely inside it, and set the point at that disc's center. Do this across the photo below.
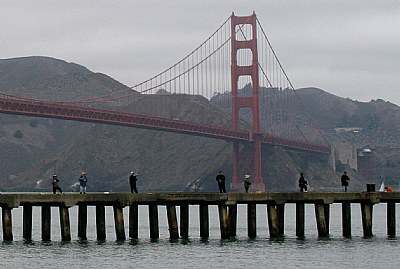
(236, 69)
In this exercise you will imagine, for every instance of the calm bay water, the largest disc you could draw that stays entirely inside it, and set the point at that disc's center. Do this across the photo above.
(289, 252)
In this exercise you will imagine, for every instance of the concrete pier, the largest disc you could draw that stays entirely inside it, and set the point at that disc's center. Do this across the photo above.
(82, 222)
(391, 219)
(172, 222)
(184, 221)
(346, 219)
(252, 220)
(204, 221)
(101, 222)
(300, 219)
(27, 222)
(119, 223)
(227, 203)
(46, 222)
(134, 221)
(153, 221)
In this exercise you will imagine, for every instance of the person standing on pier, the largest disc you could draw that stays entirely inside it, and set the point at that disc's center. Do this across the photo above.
(82, 183)
(302, 183)
(246, 183)
(132, 182)
(55, 181)
(221, 182)
(345, 181)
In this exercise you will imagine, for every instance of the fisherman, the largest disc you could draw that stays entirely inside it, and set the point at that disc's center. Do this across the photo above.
(132, 182)
(345, 181)
(302, 183)
(82, 183)
(55, 181)
(221, 182)
(246, 183)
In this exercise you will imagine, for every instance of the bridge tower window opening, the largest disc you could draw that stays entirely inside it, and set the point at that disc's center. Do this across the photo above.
(244, 32)
(244, 57)
(245, 86)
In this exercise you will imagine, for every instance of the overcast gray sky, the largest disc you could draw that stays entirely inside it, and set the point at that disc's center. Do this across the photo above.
(348, 48)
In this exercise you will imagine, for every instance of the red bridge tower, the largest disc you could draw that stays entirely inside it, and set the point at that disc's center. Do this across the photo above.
(246, 156)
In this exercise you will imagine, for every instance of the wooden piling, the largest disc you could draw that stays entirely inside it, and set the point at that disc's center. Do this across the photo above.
(280, 210)
(321, 218)
(172, 222)
(346, 219)
(7, 224)
(46, 222)
(27, 222)
(391, 219)
(82, 221)
(134, 221)
(65, 224)
(204, 221)
(252, 220)
(224, 221)
(300, 219)
(232, 214)
(184, 221)
(327, 210)
(119, 223)
(273, 221)
(101, 222)
(153, 221)
(366, 215)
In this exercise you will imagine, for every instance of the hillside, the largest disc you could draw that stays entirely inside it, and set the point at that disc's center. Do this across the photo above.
(32, 149)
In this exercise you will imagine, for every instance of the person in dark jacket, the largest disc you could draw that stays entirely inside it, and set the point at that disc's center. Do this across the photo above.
(221, 182)
(302, 183)
(246, 183)
(345, 181)
(132, 182)
(55, 181)
(82, 183)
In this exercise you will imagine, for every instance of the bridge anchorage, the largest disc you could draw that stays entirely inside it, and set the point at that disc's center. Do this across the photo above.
(236, 63)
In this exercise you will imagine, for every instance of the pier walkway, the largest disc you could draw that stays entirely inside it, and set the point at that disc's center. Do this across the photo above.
(227, 207)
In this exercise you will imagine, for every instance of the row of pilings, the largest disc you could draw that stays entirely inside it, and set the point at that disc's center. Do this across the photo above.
(227, 208)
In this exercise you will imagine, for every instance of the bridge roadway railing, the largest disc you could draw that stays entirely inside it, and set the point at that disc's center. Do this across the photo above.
(227, 207)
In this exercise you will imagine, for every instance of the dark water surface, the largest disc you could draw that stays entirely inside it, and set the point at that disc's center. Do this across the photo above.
(336, 252)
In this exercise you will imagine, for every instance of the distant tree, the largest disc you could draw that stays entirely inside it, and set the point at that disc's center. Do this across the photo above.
(18, 134)
(33, 123)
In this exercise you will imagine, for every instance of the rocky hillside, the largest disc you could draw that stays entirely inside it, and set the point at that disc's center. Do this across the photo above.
(32, 149)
